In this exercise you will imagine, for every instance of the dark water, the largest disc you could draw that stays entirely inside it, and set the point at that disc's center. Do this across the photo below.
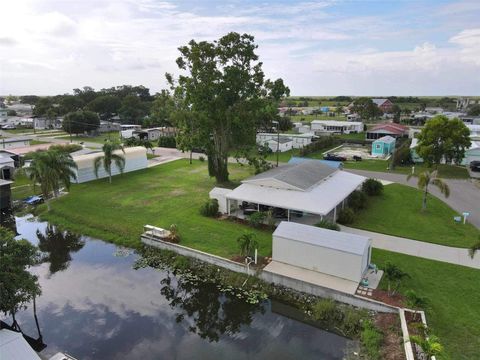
(94, 305)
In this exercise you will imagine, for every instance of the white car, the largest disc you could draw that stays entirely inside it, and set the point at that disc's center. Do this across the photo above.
(9, 127)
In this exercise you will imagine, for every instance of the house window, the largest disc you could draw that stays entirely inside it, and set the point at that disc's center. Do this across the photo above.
(378, 146)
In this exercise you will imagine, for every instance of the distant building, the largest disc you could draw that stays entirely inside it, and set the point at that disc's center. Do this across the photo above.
(42, 123)
(390, 129)
(334, 126)
(5, 194)
(154, 133)
(108, 126)
(383, 104)
(281, 144)
(383, 147)
(464, 103)
(298, 140)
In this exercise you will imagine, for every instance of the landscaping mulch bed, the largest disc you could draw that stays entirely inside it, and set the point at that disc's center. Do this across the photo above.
(392, 348)
(394, 300)
(262, 261)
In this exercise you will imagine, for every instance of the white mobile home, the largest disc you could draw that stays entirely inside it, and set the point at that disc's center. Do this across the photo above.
(135, 159)
(330, 252)
(298, 140)
(334, 126)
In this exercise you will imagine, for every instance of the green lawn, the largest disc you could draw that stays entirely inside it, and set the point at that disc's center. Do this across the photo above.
(453, 296)
(22, 187)
(38, 142)
(398, 212)
(444, 171)
(163, 195)
(95, 139)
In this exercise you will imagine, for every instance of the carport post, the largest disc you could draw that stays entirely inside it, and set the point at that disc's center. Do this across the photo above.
(288, 214)
(335, 214)
(228, 206)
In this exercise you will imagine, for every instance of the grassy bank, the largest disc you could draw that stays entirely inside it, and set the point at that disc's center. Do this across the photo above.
(454, 301)
(163, 195)
(398, 212)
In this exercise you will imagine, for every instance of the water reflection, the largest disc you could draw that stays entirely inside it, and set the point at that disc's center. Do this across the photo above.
(98, 307)
(57, 246)
(208, 311)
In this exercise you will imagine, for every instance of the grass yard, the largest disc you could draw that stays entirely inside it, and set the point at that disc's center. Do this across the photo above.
(453, 297)
(100, 139)
(398, 212)
(163, 195)
(444, 171)
(310, 118)
(22, 187)
(38, 142)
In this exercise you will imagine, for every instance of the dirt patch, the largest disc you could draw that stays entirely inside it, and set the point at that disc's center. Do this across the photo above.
(394, 300)
(262, 261)
(389, 324)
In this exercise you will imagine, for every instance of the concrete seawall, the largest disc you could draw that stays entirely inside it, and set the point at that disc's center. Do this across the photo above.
(270, 277)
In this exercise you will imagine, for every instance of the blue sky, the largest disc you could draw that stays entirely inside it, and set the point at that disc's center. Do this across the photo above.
(329, 47)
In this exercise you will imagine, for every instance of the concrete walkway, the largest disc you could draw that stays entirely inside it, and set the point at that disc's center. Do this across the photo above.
(464, 194)
(457, 256)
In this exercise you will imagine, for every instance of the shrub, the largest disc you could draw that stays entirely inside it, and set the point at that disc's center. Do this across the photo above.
(371, 340)
(346, 216)
(167, 141)
(326, 310)
(352, 320)
(68, 148)
(327, 225)
(201, 158)
(247, 243)
(257, 219)
(372, 187)
(357, 200)
(174, 236)
(210, 208)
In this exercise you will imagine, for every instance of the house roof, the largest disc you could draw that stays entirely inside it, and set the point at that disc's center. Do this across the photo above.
(390, 127)
(320, 199)
(332, 164)
(386, 139)
(301, 176)
(282, 140)
(380, 102)
(17, 139)
(86, 160)
(336, 240)
(14, 347)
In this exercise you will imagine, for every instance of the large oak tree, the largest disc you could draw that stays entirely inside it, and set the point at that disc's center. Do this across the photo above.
(224, 86)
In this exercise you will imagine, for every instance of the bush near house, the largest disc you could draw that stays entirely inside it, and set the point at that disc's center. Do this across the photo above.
(357, 200)
(210, 208)
(372, 187)
(257, 218)
(325, 224)
(167, 141)
(346, 216)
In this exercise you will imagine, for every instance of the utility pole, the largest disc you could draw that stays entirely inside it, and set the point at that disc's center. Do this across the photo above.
(278, 138)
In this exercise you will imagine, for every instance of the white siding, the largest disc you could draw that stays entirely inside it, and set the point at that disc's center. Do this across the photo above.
(321, 259)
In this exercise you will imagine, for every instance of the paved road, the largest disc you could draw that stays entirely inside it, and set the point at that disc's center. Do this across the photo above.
(421, 249)
(464, 194)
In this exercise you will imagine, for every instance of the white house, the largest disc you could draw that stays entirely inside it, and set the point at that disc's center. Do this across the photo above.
(135, 159)
(13, 143)
(330, 252)
(281, 144)
(298, 140)
(334, 126)
(126, 130)
(41, 123)
(304, 192)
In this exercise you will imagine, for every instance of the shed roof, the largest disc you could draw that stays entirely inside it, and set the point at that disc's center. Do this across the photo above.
(86, 161)
(320, 199)
(385, 139)
(331, 163)
(5, 182)
(379, 102)
(301, 176)
(336, 240)
(14, 347)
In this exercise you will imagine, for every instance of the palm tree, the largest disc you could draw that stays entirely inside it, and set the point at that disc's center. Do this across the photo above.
(51, 169)
(108, 157)
(247, 243)
(425, 179)
(431, 346)
(394, 275)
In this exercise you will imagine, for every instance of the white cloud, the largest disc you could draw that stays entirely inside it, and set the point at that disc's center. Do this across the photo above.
(53, 47)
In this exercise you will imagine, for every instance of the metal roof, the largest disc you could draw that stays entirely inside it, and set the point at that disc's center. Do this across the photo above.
(331, 163)
(336, 240)
(386, 139)
(14, 347)
(301, 176)
(320, 199)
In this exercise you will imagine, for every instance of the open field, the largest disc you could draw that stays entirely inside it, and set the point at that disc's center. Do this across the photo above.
(163, 195)
(444, 171)
(398, 212)
(453, 300)
(95, 139)
(173, 193)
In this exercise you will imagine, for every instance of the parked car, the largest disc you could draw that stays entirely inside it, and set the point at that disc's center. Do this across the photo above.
(333, 157)
(9, 127)
(33, 200)
(357, 158)
(475, 166)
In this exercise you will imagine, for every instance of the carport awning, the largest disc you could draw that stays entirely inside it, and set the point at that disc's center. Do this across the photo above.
(321, 199)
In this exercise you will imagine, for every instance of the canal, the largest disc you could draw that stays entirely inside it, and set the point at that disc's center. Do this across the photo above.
(94, 305)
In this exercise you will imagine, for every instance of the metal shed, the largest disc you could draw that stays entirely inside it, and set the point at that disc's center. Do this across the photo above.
(335, 253)
(221, 195)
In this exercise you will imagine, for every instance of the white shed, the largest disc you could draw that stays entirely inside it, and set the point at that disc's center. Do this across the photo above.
(135, 159)
(335, 253)
(221, 195)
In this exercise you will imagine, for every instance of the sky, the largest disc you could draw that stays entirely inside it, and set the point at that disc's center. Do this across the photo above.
(330, 47)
